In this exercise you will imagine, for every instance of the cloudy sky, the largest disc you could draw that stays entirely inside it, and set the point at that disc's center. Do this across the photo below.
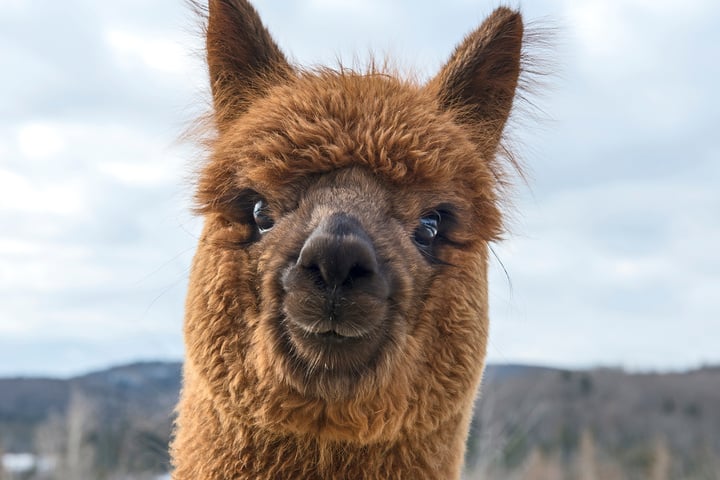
(615, 253)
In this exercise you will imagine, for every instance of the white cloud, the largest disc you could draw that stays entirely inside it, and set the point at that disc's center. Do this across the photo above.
(135, 174)
(39, 140)
(599, 26)
(153, 52)
(19, 194)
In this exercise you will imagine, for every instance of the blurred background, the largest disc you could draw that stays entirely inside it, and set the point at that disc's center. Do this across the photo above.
(605, 330)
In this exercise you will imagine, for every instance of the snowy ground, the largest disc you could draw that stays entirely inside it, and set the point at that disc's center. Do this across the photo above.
(20, 463)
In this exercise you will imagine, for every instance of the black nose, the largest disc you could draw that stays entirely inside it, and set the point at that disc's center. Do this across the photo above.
(339, 252)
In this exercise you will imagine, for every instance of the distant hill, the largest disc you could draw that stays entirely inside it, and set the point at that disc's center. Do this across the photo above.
(124, 410)
(124, 414)
(627, 416)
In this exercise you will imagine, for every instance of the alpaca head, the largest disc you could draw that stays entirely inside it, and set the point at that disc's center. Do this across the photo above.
(340, 284)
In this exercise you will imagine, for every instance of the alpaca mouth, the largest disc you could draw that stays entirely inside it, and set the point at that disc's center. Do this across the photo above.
(345, 335)
(329, 329)
(348, 342)
(331, 344)
(332, 336)
(338, 349)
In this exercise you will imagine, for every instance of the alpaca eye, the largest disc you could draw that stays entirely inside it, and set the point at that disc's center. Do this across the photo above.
(261, 216)
(427, 231)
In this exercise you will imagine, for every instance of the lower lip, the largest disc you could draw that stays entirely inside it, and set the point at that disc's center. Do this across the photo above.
(331, 335)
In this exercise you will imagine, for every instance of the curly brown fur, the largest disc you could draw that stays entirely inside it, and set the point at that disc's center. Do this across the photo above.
(336, 320)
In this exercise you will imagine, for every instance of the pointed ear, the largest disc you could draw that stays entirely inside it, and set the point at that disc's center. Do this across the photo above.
(242, 58)
(479, 81)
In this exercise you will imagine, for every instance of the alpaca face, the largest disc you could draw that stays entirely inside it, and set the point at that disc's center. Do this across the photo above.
(342, 254)
(339, 287)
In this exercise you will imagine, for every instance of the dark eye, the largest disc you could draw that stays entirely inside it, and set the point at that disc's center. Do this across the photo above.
(427, 231)
(262, 218)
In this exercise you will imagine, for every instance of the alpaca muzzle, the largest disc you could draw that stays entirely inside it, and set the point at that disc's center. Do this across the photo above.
(336, 293)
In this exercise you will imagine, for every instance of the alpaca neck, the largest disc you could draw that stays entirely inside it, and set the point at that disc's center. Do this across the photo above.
(213, 449)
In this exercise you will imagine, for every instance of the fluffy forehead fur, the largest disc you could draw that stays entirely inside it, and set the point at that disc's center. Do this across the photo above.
(326, 120)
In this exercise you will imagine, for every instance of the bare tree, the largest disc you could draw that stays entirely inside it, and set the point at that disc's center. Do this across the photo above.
(540, 466)
(50, 440)
(661, 460)
(587, 464)
(79, 452)
(3, 475)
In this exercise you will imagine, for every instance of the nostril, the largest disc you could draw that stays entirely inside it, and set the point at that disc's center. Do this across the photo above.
(316, 275)
(358, 271)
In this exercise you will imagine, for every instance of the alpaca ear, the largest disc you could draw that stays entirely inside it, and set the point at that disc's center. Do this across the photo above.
(242, 58)
(479, 80)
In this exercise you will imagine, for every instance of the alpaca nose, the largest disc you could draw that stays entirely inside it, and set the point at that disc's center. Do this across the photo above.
(339, 252)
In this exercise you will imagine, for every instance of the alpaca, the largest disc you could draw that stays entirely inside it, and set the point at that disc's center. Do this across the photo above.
(337, 312)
